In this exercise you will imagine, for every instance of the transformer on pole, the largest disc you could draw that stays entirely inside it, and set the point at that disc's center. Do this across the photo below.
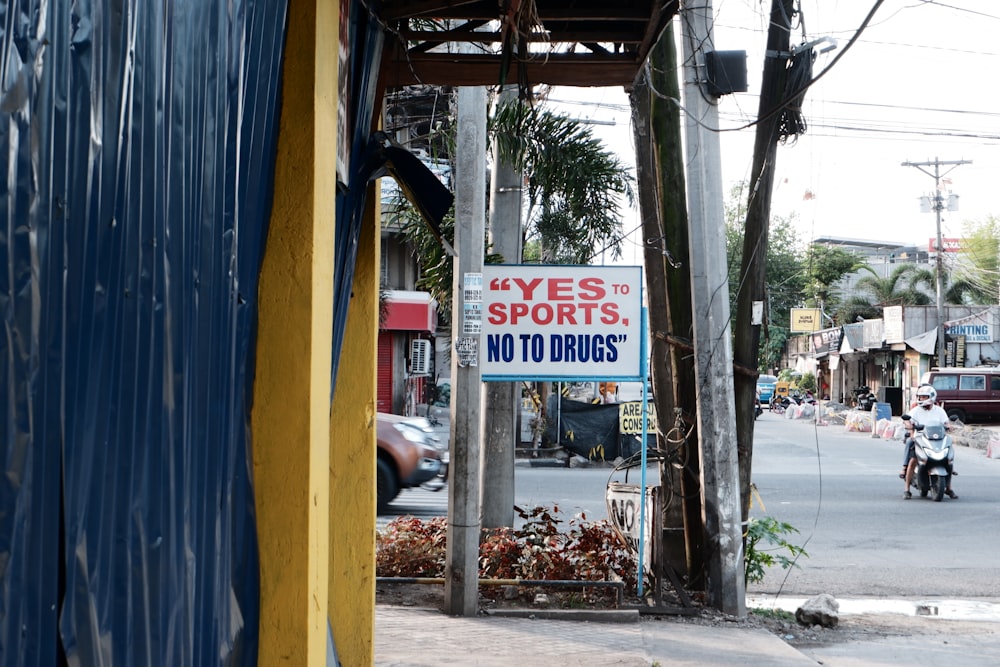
(937, 203)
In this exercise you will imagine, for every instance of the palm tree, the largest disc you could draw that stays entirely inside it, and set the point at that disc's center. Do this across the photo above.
(575, 184)
(960, 291)
(573, 197)
(898, 289)
(971, 278)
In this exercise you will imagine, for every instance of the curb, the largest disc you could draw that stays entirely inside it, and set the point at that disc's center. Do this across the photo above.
(586, 615)
(540, 463)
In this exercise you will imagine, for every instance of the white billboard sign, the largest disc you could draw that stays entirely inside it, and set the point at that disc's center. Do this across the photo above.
(561, 322)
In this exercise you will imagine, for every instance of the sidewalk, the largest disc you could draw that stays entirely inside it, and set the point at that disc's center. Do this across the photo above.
(413, 637)
(420, 637)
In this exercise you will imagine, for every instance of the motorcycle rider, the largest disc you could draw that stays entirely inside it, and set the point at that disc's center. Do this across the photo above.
(928, 413)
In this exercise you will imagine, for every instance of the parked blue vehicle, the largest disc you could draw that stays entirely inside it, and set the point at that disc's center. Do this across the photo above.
(766, 384)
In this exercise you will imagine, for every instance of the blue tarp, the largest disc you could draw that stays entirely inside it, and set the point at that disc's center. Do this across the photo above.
(138, 141)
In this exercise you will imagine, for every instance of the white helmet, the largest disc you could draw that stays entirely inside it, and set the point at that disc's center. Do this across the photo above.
(926, 395)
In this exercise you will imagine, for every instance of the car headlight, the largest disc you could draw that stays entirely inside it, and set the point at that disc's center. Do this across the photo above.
(412, 432)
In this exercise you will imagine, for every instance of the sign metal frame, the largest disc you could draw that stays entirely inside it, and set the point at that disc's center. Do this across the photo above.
(542, 304)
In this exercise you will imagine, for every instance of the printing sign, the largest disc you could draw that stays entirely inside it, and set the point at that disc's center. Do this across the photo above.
(561, 322)
(974, 332)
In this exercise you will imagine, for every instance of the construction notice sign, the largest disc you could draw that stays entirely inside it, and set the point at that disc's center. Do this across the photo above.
(630, 417)
(561, 322)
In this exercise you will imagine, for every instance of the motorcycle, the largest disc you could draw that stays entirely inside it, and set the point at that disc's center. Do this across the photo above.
(864, 399)
(781, 404)
(935, 459)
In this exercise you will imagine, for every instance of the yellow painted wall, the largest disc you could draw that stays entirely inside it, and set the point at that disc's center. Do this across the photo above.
(352, 458)
(290, 415)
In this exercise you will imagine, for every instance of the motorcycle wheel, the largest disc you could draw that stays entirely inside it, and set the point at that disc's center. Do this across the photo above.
(939, 487)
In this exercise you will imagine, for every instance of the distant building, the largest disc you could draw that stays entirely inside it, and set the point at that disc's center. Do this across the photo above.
(411, 351)
(882, 256)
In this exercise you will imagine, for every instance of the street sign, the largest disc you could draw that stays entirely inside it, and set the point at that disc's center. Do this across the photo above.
(625, 507)
(806, 320)
(562, 322)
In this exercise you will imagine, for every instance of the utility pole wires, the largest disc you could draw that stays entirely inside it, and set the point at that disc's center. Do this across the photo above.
(938, 205)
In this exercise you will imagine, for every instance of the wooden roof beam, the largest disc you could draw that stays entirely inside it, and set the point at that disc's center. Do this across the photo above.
(583, 70)
(490, 11)
(606, 36)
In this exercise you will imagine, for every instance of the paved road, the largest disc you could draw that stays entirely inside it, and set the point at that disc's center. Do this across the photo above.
(574, 491)
(415, 502)
(841, 491)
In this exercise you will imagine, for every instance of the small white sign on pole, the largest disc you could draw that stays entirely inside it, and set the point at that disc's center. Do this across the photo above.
(554, 322)
(630, 513)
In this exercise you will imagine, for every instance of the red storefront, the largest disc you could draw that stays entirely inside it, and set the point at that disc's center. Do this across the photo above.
(405, 350)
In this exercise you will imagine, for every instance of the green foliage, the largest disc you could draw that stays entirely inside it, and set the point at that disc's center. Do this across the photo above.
(540, 549)
(766, 546)
(789, 375)
(772, 346)
(785, 275)
(979, 272)
(575, 185)
(434, 264)
(807, 382)
(574, 196)
(873, 292)
(827, 265)
(774, 613)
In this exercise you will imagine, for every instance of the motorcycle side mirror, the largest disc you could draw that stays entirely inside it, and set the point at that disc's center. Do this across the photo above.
(906, 418)
(953, 418)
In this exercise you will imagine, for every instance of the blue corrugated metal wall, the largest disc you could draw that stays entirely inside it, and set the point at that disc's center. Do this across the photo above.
(137, 138)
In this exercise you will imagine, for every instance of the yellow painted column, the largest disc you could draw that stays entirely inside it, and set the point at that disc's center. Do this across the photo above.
(290, 415)
(352, 462)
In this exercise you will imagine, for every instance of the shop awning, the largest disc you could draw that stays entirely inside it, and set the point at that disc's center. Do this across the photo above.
(409, 311)
(853, 340)
(925, 343)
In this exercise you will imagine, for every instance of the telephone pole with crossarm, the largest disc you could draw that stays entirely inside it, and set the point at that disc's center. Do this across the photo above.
(938, 205)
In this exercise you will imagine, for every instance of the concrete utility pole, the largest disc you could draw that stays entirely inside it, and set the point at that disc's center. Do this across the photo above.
(938, 206)
(461, 589)
(502, 398)
(710, 303)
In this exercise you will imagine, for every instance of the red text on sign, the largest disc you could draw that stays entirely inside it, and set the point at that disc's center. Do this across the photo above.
(561, 289)
(558, 314)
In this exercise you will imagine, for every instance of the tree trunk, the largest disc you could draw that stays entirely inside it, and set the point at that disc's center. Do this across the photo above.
(754, 264)
(660, 167)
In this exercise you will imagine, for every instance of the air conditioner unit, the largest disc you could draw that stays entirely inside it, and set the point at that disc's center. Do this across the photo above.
(420, 357)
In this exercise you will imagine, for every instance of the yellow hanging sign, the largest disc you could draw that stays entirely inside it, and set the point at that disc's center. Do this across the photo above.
(806, 320)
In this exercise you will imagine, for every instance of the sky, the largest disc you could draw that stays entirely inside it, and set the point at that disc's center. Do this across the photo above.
(918, 85)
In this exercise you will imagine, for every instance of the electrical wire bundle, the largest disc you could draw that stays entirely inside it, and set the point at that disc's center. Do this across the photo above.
(792, 123)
